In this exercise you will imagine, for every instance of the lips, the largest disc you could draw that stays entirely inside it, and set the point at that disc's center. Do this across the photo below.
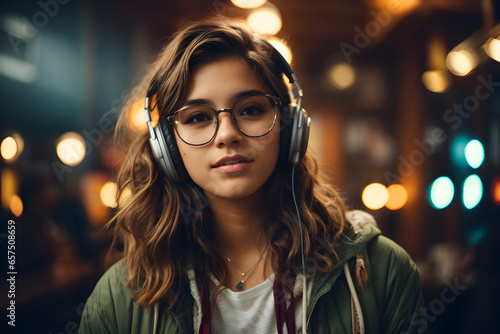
(232, 160)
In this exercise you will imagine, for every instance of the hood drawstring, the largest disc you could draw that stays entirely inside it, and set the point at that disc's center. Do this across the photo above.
(358, 323)
(358, 219)
(155, 323)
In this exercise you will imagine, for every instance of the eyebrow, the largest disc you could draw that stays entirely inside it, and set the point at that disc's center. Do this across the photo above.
(233, 98)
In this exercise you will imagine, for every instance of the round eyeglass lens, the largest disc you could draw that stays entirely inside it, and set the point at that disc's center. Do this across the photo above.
(253, 115)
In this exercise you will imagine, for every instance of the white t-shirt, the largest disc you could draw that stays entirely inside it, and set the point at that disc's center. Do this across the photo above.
(250, 311)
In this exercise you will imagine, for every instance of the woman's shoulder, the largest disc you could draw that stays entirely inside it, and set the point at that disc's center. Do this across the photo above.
(111, 309)
(392, 270)
(113, 282)
(109, 298)
(383, 250)
(395, 282)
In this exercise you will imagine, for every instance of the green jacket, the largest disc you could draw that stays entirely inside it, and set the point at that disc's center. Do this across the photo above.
(391, 301)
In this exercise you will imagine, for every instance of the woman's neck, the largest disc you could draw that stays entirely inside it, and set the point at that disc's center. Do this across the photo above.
(239, 227)
(240, 233)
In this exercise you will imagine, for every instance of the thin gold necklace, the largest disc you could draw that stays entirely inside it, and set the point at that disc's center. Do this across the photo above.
(250, 271)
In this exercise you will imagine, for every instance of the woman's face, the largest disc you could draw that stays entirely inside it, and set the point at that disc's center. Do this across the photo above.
(232, 165)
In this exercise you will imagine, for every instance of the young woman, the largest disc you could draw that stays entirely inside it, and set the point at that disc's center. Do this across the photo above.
(229, 228)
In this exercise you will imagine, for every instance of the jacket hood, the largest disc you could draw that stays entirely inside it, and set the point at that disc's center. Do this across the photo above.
(360, 229)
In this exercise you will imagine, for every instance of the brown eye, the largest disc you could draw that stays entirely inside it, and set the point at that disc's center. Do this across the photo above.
(251, 110)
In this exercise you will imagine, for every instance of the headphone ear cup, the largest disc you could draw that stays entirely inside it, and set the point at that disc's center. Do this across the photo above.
(285, 133)
(169, 157)
(300, 135)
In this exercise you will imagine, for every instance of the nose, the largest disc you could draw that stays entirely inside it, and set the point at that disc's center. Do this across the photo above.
(228, 133)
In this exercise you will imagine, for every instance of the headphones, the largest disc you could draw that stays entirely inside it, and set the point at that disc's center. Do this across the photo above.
(164, 146)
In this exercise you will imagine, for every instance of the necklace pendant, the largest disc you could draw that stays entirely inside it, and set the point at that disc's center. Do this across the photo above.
(239, 286)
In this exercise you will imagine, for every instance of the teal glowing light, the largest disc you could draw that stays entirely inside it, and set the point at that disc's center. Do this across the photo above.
(441, 192)
(474, 153)
(473, 191)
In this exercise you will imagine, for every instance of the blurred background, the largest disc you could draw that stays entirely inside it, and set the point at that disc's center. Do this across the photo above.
(404, 97)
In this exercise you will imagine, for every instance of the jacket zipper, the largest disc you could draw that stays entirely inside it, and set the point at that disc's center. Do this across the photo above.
(312, 308)
(179, 324)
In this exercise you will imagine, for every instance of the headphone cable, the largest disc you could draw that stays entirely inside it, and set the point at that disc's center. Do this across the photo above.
(304, 285)
(300, 221)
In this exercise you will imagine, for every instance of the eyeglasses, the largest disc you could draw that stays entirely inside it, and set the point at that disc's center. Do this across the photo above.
(254, 115)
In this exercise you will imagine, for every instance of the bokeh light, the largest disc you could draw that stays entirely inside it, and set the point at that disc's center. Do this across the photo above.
(342, 76)
(492, 48)
(399, 7)
(265, 20)
(12, 147)
(136, 117)
(397, 197)
(375, 196)
(71, 148)
(472, 191)
(436, 81)
(108, 194)
(248, 3)
(16, 205)
(441, 192)
(282, 48)
(461, 62)
(495, 190)
(474, 153)
(8, 148)
(10, 186)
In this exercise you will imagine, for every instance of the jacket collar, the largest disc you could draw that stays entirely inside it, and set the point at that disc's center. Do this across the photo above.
(183, 315)
(350, 244)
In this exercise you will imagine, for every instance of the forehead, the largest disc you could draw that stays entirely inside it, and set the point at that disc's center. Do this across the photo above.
(220, 80)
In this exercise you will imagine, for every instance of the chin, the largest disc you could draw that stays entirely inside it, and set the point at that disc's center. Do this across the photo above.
(234, 189)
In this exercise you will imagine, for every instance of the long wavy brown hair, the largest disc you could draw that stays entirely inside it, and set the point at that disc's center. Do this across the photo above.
(167, 228)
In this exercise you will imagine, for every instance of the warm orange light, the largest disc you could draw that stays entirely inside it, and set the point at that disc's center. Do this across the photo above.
(108, 194)
(70, 148)
(10, 186)
(375, 196)
(248, 3)
(282, 48)
(495, 190)
(342, 76)
(16, 205)
(136, 117)
(436, 81)
(461, 62)
(492, 48)
(265, 20)
(397, 197)
(11, 147)
(398, 7)
(8, 148)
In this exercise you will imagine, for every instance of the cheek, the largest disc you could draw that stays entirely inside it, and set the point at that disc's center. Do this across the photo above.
(268, 143)
(268, 146)
(189, 156)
